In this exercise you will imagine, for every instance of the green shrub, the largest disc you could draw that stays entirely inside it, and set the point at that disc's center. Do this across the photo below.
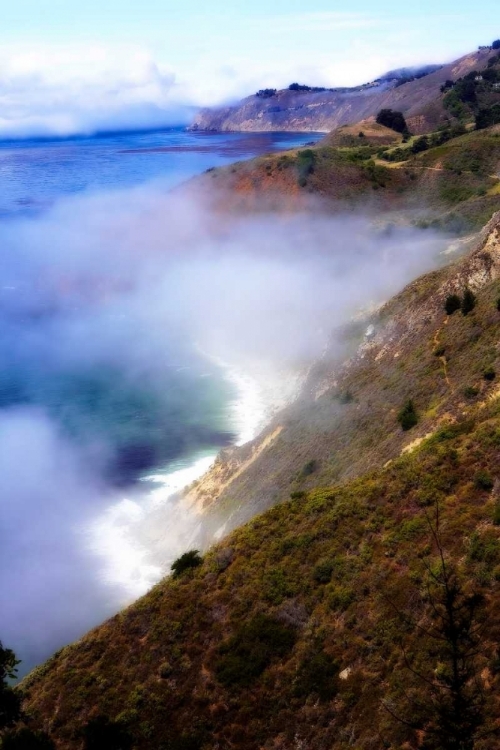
(498, 304)
(489, 374)
(470, 391)
(191, 559)
(452, 304)
(483, 480)
(408, 416)
(309, 468)
(323, 570)
(317, 675)
(496, 514)
(468, 302)
(256, 644)
(392, 119)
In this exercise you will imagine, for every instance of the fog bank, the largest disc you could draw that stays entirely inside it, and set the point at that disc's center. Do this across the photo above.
(119, 293)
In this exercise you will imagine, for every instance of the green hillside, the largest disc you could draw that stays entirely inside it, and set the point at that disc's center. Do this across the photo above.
(320, 623)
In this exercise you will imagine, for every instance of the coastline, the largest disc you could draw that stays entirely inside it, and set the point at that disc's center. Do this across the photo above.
(138, 536)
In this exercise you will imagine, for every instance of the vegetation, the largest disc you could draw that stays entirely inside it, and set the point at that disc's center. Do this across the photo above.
(468, 302)
(393, 120)
(187, 561)
(452, 304)
(408, 416)
(266, 93)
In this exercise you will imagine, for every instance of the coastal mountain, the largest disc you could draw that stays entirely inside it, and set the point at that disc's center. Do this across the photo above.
(320, 623)
(306, 109)
(354, 600)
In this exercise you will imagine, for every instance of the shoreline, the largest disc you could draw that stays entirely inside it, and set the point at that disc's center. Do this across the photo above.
(138, 536)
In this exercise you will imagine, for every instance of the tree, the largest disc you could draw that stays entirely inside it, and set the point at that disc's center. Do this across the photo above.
(468, 302)
(448, 711)
(191, 559)
(496, 44)
(408, 416)
(393, 120)
(10, 701)
(452, 304)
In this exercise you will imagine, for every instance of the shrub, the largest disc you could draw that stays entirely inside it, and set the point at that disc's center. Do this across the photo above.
(470, 391)
(498, 304)
(318, 675)
(496, 514)
(468, 302)
(102, 734)
(323, 571)
(309, 468)
(408, 416)
(26, 739)
(495, 44)
(191, 559)
(452, 304)
(255, 645)
(489, 374)
(483, 480)
(487, 116)
(393, 120)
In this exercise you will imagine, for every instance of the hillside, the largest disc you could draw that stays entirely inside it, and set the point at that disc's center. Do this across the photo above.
(420, 100)
(454, 185)
(315, 625)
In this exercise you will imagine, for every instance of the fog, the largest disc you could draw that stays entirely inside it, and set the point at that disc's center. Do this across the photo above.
(153, 289)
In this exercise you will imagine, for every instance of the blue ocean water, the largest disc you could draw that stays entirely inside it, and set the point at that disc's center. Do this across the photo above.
(35, 173)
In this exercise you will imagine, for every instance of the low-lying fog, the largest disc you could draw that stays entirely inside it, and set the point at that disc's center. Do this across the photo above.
(119, 315)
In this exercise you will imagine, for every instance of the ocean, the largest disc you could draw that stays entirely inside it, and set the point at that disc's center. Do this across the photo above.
(107, 407)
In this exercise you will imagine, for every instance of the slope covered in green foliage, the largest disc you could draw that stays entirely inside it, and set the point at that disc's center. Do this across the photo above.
(324, 622)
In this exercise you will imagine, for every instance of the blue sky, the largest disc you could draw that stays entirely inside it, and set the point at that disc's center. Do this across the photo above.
(67, 64)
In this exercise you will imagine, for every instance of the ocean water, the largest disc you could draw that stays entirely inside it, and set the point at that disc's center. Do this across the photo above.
(105, 411)
(35, 173)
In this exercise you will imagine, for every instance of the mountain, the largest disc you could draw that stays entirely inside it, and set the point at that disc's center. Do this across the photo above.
(315, 111)
(320, 623)
(355, 599)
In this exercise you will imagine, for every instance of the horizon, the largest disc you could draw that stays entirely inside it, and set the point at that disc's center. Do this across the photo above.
(69, 69)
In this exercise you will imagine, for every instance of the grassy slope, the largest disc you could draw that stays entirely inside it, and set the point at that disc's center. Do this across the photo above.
(455, 186)
(165, 665)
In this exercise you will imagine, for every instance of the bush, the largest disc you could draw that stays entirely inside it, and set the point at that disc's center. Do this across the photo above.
(191, 559)
(309, 468)
(252, 649)
(488, 116)
(489, 374)
(393, 120)
(408, 416)
(102, 734)
(452, 304)
(496, 44)
(468, 302)
(471, 391)
(323, 571)
(26, 739)
(318, 675)
(483, 481)
(498, 304)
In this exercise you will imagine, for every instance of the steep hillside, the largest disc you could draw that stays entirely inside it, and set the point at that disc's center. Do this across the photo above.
(420, 101)
(322, 623)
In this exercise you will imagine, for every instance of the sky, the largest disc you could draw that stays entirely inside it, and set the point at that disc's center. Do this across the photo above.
(67, 65)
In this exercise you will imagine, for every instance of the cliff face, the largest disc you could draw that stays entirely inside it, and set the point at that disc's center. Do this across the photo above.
(419, 100)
